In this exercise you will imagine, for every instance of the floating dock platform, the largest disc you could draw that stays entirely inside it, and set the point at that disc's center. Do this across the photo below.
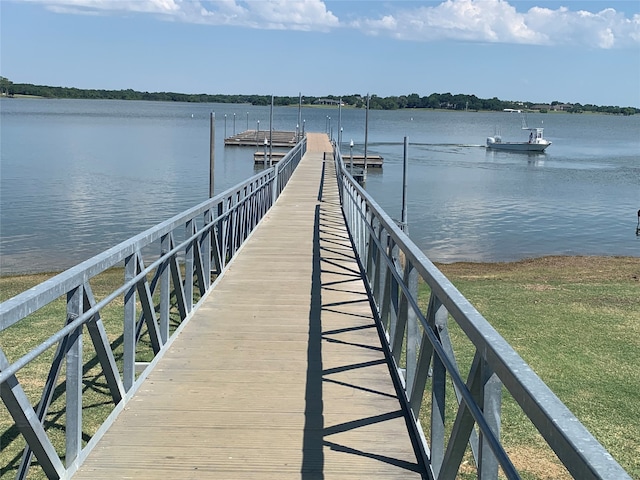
(284, 139)
(256, 138)
(373, 161)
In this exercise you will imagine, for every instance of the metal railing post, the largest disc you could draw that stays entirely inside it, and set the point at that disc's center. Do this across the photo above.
(488, 465)
(73, 430)
(274, 185)
(165, 290)
(188, 266)
(129, 329)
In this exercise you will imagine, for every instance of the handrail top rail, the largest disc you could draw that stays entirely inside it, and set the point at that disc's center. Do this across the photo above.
(534, 396)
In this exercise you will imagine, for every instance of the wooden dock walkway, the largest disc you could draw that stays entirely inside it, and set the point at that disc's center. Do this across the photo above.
(280, 373)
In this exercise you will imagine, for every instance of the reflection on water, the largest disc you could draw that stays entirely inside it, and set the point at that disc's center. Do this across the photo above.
(78, 177)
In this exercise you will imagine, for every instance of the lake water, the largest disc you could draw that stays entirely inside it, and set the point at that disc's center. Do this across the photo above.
(79, 176)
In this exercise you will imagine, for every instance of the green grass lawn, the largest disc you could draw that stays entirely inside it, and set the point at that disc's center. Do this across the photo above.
(575, 320)
(20, 338)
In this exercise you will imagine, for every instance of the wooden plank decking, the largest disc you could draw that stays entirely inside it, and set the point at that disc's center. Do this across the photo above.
(280, 373)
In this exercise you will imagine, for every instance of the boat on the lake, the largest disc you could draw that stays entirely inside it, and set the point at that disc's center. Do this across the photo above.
(536, 142)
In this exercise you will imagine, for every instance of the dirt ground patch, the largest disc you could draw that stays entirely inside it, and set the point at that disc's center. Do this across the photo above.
(552, 268)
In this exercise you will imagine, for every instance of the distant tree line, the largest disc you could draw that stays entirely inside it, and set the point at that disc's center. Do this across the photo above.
(434, 101)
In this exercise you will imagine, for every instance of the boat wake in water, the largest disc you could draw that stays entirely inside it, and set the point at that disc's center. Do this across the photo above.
(425, 144)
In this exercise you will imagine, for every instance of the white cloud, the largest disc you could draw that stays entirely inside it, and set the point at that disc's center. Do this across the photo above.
(305, 15)
(298, 15)
(467, 20)
(491, 21)
(497, 21)
(98, 6)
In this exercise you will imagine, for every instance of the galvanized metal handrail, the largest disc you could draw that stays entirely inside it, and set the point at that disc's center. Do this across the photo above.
(422, 353)
(183, 256)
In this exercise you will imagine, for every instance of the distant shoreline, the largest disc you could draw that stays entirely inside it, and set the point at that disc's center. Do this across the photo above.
(328, 107)
(434, 101)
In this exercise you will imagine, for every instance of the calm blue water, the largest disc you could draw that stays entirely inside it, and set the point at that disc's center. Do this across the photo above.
(77, 177)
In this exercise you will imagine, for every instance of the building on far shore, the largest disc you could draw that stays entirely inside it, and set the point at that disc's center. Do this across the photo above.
(555, 107)
(328, 101)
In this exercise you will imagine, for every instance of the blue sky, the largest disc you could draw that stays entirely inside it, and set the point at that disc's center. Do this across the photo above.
(540, 51)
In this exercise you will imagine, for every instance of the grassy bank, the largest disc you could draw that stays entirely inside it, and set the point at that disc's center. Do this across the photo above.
(575, 320)
(22, 337)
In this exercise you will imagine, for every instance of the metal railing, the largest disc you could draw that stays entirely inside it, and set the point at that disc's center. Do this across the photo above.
(426, 358)
(166, 271)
